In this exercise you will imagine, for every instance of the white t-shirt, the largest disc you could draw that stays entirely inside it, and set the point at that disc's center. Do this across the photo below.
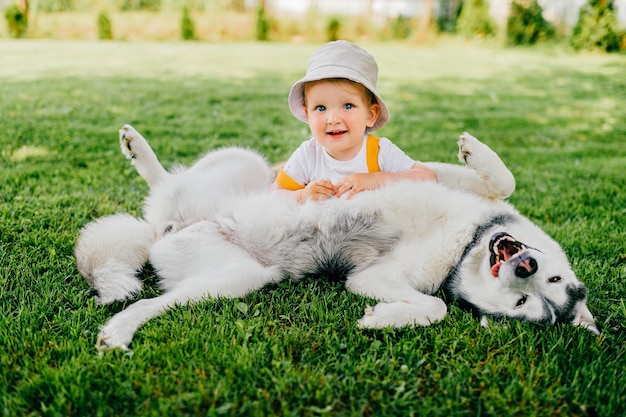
(311, 162)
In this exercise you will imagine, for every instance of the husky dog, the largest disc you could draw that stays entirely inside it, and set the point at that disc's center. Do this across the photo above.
(213, 230)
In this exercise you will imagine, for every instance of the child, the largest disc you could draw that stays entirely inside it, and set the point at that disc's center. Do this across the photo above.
(337, 98)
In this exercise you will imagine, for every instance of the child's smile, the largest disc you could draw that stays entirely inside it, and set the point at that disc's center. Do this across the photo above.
(336, 134)
(339, 113)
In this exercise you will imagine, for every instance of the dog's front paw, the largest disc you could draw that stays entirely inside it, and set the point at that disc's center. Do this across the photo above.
(498, 180)
(404, 313)
(471, 150)
(477, 155)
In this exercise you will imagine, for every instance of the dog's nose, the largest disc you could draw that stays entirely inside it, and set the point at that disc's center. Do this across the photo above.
(525, 266)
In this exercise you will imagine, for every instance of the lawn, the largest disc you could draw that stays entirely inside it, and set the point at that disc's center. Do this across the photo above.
(557, 120)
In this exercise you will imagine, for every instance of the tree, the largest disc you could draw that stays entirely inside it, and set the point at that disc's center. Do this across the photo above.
(425, 21)
(187, 26)
(105, 30)
(262, 23)
(16, 15)
(597, 28)
(526, 25)
(474, 19)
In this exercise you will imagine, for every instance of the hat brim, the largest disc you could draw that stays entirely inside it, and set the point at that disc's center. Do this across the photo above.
(296, 94)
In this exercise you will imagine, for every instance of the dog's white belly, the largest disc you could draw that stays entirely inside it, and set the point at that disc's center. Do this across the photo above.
(186, 253)
(436, 225)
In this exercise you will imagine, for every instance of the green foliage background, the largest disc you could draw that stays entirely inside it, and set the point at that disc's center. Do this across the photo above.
(526, 25)
(474, 20)
(17, 21)
(105, 29)
(598, 29)
(187, 26)
(558, 123)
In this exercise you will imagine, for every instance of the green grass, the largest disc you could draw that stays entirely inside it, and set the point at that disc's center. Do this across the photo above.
(559, 123)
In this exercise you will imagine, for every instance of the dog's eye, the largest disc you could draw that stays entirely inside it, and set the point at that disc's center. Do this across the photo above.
(521, 301)
(554, 279)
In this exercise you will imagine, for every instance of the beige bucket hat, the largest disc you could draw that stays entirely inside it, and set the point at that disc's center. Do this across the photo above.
(339, 59)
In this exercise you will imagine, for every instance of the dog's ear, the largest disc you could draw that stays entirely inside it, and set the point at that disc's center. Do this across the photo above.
(584, 319)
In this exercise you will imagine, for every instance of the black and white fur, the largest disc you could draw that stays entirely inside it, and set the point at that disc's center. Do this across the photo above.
(213, 230)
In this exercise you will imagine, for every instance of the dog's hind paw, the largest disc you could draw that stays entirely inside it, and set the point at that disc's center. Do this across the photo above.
(103, 343)
(114, 337)
(126, 137)
(136, 148)
(132, 143)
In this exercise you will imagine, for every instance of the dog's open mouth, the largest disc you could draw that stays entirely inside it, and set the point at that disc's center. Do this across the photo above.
(503, 247)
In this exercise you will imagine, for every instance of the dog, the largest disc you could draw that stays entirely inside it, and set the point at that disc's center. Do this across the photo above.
(214, 230)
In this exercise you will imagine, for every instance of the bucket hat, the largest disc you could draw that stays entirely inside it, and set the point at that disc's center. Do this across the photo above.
(339, 59)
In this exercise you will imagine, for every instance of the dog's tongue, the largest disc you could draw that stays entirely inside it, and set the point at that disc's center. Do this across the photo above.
(496, 269)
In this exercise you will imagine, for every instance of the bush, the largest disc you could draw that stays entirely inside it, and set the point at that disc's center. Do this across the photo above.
(17, 21)
(401, 28)
(597, 28)
(262, 25)
(148, 5)
(448, 15)
(105, 31)
(332, 29)
(56, 5)
(526, 25)
(474, 19)
(187, 26)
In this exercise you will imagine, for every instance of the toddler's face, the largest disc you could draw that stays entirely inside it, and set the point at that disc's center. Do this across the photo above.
(339, 111)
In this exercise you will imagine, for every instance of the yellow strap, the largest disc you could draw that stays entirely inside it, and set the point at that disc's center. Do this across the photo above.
(371, 153)
(286, 182)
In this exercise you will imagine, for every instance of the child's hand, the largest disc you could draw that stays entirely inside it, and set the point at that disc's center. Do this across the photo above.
(317, 190)
(355, 183)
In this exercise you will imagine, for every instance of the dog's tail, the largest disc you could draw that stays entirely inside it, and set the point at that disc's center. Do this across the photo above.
(110, 251)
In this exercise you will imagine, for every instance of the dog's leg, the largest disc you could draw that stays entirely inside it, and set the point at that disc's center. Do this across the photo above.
(401, 305)
(584, 319)
(488, 176)
(119, 330)
(137, 149)
(237, 280)
(487, 164)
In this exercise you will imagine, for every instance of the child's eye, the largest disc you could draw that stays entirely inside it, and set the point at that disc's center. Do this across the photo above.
(320, 108)
(348, 106)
